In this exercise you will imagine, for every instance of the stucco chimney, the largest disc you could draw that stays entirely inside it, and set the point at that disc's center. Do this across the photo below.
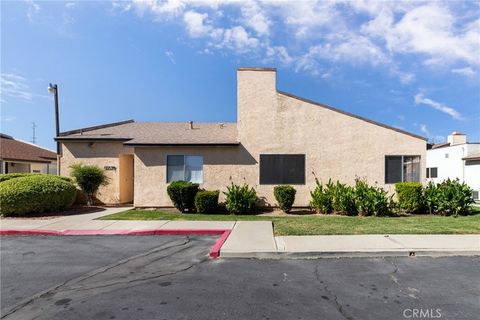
(457, 138)
(256, 99)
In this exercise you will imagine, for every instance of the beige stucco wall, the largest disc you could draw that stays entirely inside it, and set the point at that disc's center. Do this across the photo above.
(101, 154)
(221, 165)
(336, 146)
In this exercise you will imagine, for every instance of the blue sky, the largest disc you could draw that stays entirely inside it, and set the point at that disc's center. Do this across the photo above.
(412, 65)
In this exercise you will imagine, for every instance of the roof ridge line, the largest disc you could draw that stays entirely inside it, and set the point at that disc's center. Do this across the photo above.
(351, 114)
(101, 126)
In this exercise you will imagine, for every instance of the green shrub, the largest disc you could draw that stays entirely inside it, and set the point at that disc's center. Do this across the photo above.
(182, 194)
(371, 200)
(206, 201)
(35, 193)
(240, 199)
(409, 196)
(452, 198)
(343, 199)
(431, 197)
(89, 178)
(285, 196)
(321, 200)
(8, 176)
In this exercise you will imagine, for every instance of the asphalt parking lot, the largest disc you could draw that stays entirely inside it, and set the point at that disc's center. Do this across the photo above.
(171, 277)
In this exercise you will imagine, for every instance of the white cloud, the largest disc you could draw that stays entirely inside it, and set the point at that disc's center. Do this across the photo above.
(435, 138)
(235, 38)
(33, 9)
(429, 29)
(170, 55)
(195, 24)
(359, 33)
(421, 99)
(7, 118)
(160, 9)
(278, 53)
(255, 18)
(467, 71)
(14, 86)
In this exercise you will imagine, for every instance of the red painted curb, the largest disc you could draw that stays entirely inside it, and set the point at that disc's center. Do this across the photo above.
(214, 252)
(29, 232)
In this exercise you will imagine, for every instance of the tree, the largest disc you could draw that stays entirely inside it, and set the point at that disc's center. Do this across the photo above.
(89, 178)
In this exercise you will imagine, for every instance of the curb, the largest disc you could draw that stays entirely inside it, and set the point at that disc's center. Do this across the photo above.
(214, 251)
(350, 254)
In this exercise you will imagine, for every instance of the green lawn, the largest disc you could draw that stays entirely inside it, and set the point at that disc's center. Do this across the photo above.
(318, 225)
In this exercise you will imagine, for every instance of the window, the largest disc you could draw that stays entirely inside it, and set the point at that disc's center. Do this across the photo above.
(185, 168)
(402, 168)
(446, 155)
(282, 169)
(432, 172)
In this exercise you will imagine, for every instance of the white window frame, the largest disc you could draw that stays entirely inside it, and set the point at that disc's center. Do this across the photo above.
(184, 162)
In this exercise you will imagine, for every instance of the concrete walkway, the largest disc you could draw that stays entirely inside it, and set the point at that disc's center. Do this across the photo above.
(255, 239)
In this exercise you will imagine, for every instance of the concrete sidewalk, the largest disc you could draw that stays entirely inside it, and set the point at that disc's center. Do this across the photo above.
(255, 239)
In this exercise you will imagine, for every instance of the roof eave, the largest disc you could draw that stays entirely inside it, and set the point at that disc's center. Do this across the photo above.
(102, 126)
(219, 144)
(89, 139)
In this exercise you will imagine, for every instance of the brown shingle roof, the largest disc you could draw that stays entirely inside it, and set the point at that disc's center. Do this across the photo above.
(11, 149)
(475, 156)
(159, 133)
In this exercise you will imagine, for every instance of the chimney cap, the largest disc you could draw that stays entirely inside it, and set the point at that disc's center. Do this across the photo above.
(256, 69)
(457, 133)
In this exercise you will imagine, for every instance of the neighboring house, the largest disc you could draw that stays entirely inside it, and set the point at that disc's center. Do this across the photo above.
(279, 139)
(19, 157)
(455, 159)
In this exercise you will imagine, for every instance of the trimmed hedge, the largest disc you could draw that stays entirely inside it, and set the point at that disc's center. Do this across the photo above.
(35, 193)
(285, 196)
(410, 196)
(206, 201)
(8, 176)
(182, 195)
(240, 199)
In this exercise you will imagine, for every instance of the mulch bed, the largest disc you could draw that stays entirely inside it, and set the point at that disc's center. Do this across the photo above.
(74, 210)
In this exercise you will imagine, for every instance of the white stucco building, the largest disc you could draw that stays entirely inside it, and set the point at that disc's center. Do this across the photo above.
(454, 159)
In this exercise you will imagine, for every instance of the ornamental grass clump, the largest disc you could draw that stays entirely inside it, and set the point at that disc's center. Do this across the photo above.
(240, 199)
(372, 200)
(321, 199)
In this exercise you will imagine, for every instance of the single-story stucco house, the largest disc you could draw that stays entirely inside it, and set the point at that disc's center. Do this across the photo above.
(17, 156)
(278, 138)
